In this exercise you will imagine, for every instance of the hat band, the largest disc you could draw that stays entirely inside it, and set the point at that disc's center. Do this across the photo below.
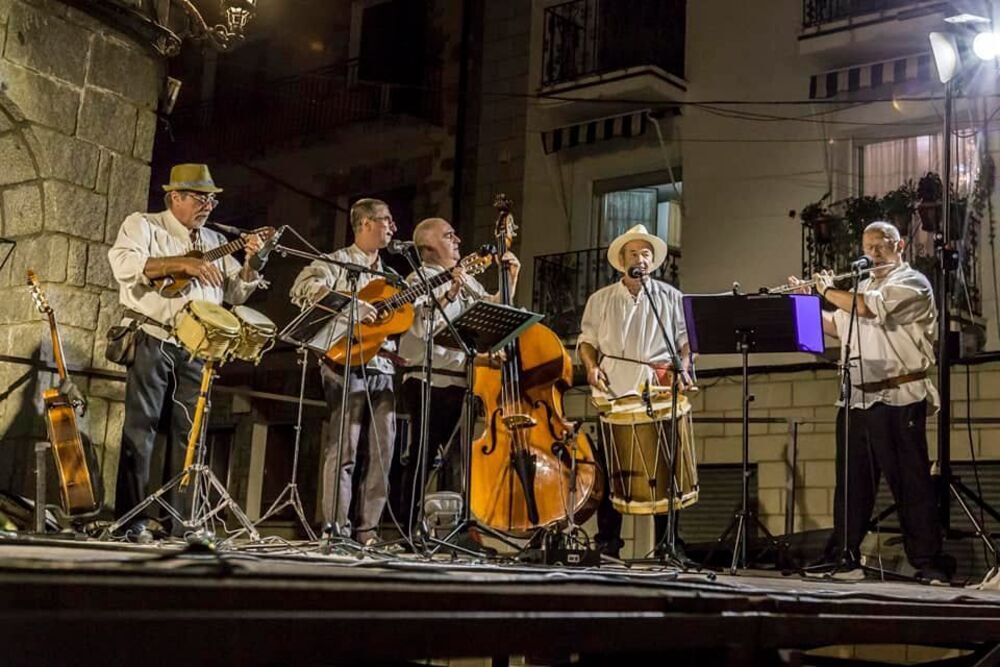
(183, 185)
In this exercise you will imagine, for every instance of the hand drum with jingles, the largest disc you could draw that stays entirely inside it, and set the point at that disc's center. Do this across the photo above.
(206, 330)
(256, 335)
(636, 451)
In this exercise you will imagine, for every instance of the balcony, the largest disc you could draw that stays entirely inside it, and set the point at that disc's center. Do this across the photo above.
(564, 281)
(297, 110)
(592, 41)
(846, 32)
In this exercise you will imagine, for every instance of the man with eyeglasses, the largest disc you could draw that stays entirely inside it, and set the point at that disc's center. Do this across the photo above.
(160, 372)
(371, 399)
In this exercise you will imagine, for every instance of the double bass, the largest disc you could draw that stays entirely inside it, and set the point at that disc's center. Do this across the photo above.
(524, 475)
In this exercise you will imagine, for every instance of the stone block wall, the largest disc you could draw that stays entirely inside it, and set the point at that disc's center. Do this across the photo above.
(77, 118)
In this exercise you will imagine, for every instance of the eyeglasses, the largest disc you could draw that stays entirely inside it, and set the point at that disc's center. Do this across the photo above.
(384, 218)
(203, 199)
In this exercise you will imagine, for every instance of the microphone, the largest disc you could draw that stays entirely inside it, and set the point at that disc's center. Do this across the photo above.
(397, 247)
(636, 272)
(258, 261)
(862, 263)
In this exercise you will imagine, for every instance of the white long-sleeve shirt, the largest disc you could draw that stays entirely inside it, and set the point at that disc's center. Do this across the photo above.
(314, 280)
(411, 344)
(899, 340)
(620, 325)
(148, 235)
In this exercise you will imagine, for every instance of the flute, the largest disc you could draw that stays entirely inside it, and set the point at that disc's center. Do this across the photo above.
(785, 289)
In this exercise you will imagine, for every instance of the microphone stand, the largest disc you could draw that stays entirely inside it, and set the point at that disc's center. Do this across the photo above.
(354, 271)
(669, 539)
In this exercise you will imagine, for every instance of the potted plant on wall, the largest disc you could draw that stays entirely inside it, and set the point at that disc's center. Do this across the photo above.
(825, 225)
(898, 206)
(930, 192)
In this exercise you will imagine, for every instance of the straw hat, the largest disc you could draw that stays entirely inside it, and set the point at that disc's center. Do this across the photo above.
(194, 177)
(637, 233)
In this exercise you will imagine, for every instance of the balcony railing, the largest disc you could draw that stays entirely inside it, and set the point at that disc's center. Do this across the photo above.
(818, 12)
(564, 282)
(296, 110)
(585, 37)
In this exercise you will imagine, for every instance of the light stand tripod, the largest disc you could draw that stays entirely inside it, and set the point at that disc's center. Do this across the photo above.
(200, 476)
(289, 496)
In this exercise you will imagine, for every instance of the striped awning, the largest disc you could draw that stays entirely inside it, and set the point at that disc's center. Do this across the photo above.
(626, 125)
(874, 75)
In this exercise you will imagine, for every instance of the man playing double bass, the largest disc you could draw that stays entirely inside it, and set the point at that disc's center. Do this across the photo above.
(621, 345)
(439, 248)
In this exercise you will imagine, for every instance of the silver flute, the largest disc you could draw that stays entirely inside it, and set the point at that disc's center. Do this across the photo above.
(785, 289)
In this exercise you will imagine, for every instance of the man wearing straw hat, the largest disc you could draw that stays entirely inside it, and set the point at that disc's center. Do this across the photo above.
(621, 345)
(151, 246)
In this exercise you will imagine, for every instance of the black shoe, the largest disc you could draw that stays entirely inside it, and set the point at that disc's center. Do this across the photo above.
(610, 548)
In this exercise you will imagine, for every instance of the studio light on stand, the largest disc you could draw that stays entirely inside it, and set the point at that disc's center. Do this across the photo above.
(948, 59)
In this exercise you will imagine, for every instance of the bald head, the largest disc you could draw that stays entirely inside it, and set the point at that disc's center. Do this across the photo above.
(437, 242)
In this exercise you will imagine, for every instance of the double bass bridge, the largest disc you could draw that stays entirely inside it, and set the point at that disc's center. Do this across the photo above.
(519, 421)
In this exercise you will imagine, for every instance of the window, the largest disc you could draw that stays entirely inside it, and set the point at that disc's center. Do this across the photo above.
(885, 165)
(656, 206)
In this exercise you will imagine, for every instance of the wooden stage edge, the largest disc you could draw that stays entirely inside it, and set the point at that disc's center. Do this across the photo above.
(95, 602)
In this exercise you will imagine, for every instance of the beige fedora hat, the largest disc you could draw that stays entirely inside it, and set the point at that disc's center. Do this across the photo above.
(637, 233)
(194, 177)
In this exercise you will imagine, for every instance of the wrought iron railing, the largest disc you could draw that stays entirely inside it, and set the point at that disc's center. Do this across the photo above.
(818, 12)
(584, 37)
(564, 281)
(298, 109)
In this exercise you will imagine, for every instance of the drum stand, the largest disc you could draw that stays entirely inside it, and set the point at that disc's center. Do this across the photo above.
(291, 489)
(198, 473)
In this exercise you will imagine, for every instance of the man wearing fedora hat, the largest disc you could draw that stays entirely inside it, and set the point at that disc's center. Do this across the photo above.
(151, 246)
(621, 345)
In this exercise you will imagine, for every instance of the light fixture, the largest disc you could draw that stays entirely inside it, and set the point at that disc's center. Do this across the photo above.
(945, 50)
(986, 45)
(966, 18)
(238, 13)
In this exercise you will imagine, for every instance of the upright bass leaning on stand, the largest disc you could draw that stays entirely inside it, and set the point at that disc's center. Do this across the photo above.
(522, 464)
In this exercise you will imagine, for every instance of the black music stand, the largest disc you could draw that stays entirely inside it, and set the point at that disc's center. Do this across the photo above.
(758, 323)
(305, 329)
(485, 327)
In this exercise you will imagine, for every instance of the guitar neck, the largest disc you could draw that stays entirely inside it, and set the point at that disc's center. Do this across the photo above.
(413, 292)
(223, 250)
(57, 348)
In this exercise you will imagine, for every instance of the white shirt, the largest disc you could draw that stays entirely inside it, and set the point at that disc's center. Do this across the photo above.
(618, 324)
(899, 340)
(146, 235)
(319, 276)
(411, 345)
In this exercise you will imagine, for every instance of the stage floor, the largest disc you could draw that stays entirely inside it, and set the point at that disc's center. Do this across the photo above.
(280, 603)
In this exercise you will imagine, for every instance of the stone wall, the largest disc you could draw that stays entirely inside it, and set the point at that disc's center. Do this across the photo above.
(77, 119)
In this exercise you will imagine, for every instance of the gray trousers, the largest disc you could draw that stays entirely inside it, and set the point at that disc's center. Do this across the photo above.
(160, 371)
(381, 421)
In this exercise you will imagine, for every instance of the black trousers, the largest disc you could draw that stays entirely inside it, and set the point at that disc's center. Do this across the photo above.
(446, 411)
(889, 440)
(160, 378)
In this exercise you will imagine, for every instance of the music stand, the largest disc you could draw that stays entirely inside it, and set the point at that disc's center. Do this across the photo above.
(760, 323)
(485, 327)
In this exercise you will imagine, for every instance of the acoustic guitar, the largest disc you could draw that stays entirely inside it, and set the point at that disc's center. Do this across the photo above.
(394, 310)
(76, 489)
(176, 284)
